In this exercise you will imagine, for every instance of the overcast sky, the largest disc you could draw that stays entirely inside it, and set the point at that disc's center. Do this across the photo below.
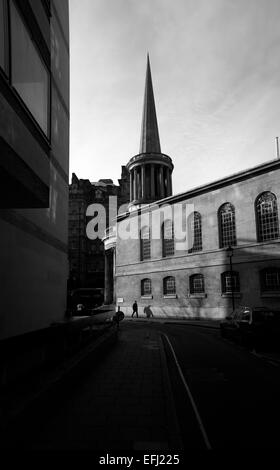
(215, 71)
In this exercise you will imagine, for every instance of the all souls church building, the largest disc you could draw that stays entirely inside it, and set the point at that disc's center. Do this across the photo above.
(232, 253)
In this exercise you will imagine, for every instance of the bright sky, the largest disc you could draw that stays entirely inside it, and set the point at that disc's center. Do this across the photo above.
(215, 70)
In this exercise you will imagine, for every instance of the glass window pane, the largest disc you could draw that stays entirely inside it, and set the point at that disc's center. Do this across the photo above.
(2, 35)
(195, 232)
(230, 282)
(168, 238)
(227, 225)
(29, 75)
(197, 284)
(271, 279)
(145, 244)
(169, 286)
(146, 287)
(267, 217)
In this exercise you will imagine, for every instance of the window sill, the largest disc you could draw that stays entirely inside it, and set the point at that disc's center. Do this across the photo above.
(144, 297)
(236, 295)
(170, 296)
(270, 294)
(202, 295)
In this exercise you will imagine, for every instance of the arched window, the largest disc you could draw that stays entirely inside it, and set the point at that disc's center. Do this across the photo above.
(226, 216)
(146, 287)
(197, 284)
(270, 279)
(230, 282)
(195, 232)
(267, 217)
(169, 285)
(145, 244)
(167, 231)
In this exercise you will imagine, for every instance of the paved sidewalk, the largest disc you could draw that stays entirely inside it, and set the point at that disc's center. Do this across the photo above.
(32, 392)
(125, 402)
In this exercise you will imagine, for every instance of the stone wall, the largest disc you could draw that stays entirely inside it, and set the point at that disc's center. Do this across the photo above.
(248, 259)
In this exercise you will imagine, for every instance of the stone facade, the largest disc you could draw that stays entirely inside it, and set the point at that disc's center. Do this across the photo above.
(230, 255)
(250, 256)
(86, 257)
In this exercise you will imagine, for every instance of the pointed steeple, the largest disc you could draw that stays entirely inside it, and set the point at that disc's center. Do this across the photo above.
(149, 134)
(150, 171)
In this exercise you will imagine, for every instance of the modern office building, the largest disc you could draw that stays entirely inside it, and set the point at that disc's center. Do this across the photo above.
(34, 161)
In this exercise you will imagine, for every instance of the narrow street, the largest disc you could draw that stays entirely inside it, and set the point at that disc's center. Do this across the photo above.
(236, 393)
(163, 387)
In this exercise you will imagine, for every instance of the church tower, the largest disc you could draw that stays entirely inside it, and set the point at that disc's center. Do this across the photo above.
(150, 171)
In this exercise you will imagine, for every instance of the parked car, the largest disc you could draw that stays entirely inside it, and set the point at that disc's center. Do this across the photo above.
(257, 327)
(83, 300)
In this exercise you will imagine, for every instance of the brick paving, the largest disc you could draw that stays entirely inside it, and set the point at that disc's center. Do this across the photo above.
(125, 402)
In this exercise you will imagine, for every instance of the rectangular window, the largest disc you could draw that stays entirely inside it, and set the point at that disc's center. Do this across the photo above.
(168, 239)
(195, 232)
(231, 283)
(269, 221)
(197, 284)
(30, 77)
(146, 252)
(169, 287)
(146, 287)
(228, 229)
(3, 35)
(272, 281)
(145, 244)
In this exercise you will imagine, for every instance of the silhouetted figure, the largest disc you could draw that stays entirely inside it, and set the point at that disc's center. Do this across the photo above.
(135, 309)
(119, 315)
(148, 311)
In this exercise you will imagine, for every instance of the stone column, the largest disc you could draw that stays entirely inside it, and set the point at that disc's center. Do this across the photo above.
(114, 276)
(134, 183)
(164, 181)
(152, 183)
(143, 182)
(131, 185)
(170, 177)
(161, 186)
(107, 279)
(167, 177)
(138, 183)
(109, 276)
(168, 182)
(157, 182)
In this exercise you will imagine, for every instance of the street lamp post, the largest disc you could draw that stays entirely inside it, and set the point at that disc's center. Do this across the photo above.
(79, 247)
(229, 251)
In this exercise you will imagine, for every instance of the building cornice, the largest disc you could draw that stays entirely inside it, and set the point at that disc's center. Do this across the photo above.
(215, 185)
(216, 252)
(150, 158)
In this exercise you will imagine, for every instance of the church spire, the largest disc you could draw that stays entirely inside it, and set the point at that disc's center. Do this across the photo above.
(149, 134)
(150, 171)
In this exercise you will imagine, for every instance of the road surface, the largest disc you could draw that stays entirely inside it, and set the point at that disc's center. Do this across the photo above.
(163, 387)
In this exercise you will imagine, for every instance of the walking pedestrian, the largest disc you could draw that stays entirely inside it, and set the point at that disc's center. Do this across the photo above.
(135, 309)
(148, 311)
